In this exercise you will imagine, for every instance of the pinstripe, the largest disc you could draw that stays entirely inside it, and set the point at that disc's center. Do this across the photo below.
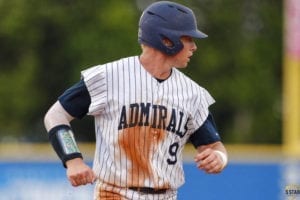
(125, 84)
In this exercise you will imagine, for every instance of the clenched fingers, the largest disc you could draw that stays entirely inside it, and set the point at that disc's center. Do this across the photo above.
(82, 177)
(209, 161)
(79, 173)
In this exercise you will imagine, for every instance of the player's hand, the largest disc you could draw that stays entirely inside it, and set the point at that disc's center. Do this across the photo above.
(79, 173)
(209, 161)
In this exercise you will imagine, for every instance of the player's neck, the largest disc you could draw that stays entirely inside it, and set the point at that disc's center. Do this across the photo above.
(156, 64)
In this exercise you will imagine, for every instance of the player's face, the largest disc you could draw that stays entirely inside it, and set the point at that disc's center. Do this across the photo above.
(183, 57)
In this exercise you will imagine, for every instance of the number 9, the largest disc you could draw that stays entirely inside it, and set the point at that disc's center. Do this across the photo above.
(173, 153)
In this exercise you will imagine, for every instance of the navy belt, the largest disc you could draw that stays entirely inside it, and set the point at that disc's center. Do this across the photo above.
(148, 190)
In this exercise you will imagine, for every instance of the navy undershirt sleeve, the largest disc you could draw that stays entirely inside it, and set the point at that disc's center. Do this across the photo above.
(76, 100)
(206, 134)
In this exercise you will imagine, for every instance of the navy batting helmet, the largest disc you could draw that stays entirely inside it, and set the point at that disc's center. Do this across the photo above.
(169, 20)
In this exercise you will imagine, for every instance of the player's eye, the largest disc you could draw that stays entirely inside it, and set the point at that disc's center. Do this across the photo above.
(187, 39)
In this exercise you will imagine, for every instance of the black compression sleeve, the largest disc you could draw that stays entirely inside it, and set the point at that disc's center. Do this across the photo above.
(76, 100)
(206, 134)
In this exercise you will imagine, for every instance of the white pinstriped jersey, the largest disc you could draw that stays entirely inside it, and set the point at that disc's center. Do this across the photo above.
(142, 124)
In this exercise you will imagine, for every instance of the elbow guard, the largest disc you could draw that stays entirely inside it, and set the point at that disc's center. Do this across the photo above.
(64, 144)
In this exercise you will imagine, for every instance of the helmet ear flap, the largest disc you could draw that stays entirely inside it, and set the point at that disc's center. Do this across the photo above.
(171, 45)
(167, 42)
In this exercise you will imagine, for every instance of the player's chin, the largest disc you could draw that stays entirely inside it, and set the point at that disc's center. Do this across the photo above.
(183, 65)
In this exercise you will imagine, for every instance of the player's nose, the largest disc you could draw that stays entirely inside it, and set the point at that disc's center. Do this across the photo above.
(193, 46)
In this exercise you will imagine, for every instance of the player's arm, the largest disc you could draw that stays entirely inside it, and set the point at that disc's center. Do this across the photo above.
(72, 104)
(211, 153)
(57, 115)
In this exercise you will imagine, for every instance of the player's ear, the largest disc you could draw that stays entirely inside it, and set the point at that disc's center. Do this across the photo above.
(167, 42)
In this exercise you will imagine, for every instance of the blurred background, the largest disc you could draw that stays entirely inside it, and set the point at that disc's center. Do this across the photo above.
(250, 63)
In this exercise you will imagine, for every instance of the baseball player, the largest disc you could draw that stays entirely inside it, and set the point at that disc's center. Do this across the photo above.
(145, 111)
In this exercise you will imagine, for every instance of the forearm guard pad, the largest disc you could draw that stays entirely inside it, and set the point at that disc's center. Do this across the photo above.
(64, 144)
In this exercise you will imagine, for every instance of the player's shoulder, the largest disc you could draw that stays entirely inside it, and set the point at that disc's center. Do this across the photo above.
(121, 65)
(109, 66)
(122, 61)
(192, 83)
(194, 90)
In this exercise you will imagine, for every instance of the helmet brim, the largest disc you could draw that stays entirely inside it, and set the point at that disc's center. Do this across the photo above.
(197, 34)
